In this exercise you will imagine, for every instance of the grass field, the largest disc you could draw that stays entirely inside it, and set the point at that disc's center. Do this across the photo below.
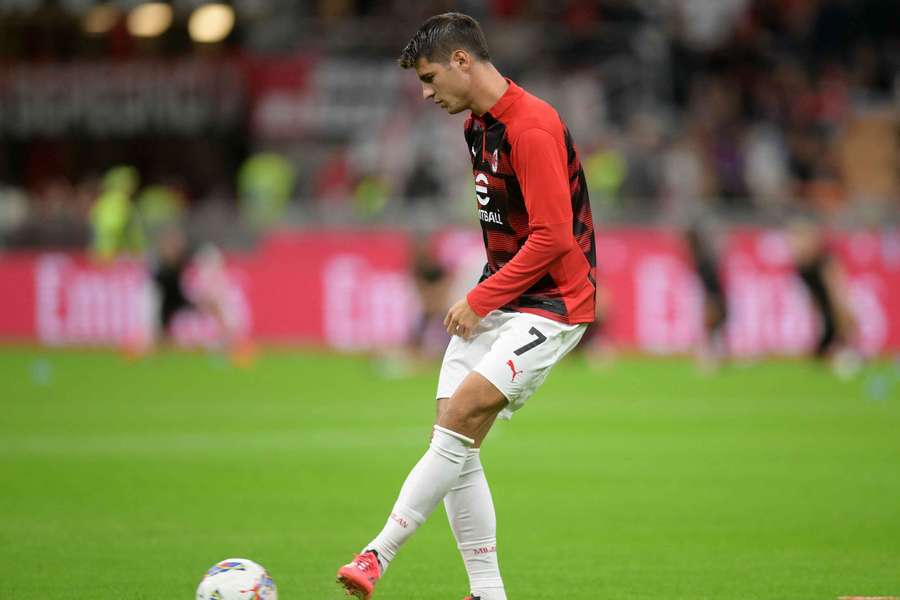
(645, 480)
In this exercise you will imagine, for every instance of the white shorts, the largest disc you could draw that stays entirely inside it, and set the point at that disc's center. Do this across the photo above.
(514, 351)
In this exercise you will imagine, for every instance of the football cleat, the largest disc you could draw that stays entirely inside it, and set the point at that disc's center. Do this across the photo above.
(472, 598)
(358, 577)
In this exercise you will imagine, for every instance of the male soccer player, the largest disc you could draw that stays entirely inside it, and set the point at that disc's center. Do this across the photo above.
(530, 308)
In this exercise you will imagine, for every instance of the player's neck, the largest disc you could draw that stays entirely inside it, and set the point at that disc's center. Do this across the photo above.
(488, 86)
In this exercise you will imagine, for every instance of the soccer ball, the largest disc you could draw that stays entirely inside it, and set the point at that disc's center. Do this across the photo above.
(237, 579)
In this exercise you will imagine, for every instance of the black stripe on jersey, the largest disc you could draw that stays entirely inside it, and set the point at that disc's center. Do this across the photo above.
(570, 147)
(535, 296)
(553, 305)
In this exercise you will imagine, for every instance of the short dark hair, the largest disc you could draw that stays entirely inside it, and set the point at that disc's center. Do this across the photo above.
(442, 34)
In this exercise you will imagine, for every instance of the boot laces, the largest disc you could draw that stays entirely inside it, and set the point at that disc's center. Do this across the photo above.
(366, 561)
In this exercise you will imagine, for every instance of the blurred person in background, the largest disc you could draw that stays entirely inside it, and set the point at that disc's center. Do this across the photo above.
(160, 205)
(265, 183)
(704, 257)
(529, 309)
(207, 293)
(168, 266)
(13, 211)
(596, 344)
(371, 196)
(423, 185)
(641, 182)
(115, 223)
(605, 168)
(825, 281)
(429, 337)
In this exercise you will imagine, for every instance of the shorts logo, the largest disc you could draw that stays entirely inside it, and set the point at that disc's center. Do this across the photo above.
(512, 366)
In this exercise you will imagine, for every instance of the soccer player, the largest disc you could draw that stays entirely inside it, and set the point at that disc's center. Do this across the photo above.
(530, 308)
(826, 282)
(712, 348)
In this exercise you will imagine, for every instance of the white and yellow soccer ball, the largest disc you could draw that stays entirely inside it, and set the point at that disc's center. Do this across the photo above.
(237, 579)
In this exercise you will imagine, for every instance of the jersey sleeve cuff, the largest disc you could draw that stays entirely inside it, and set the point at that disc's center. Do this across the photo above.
(479, 307)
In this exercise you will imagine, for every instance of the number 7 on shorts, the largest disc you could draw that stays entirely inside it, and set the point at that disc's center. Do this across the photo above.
(541, 338)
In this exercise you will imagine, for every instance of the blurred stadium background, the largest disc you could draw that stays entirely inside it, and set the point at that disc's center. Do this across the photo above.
(292, 126)
(271, 159)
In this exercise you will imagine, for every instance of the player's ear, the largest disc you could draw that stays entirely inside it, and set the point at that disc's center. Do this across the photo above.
(461, 59)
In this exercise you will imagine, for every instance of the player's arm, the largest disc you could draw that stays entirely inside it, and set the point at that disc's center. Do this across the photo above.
(539, 161)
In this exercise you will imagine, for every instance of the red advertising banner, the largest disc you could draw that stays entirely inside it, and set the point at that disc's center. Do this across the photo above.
(353, 290)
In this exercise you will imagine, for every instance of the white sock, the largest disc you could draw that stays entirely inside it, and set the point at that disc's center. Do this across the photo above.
(425, 486)
(470, 509)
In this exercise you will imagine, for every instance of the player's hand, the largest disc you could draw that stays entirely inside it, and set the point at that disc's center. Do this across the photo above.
(461, 320)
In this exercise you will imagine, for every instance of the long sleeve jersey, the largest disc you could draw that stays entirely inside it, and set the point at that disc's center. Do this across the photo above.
(535, 215)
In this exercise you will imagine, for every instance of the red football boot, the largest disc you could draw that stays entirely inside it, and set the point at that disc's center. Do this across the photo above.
(360, 575)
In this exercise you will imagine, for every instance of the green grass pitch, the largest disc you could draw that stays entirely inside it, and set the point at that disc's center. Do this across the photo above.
(643, 480)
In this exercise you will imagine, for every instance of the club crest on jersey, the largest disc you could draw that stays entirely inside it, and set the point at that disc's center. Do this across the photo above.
(495, 161)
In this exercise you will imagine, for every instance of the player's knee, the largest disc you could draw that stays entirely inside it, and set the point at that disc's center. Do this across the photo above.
(470, 407)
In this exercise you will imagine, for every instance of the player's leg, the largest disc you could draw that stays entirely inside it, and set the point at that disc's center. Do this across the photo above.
(474, 404)
(470, 510)
(472, 408)
(519, 360)
(472, 411)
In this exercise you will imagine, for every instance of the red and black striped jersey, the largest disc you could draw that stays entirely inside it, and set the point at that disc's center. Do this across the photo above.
(532, 201)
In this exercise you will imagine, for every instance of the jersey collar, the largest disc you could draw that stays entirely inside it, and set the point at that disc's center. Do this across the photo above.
(512, 93)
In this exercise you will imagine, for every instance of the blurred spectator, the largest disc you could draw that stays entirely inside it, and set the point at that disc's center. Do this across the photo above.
(160, 205)
(423, 184)
(265, 184)
(13, 210)
(334, 180)
(114, 220)
(764, 166)
(731, 105)
(605, 169)
(640, 187)
(371, 196)
(686, 176)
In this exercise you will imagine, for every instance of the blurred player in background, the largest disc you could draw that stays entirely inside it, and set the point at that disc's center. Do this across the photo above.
(531, 306)
(429, 337)
(704, 255)
(597, 345)
(207, 292)
(826, 282)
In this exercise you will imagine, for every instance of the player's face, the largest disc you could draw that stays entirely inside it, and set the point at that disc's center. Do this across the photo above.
(447, 85)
